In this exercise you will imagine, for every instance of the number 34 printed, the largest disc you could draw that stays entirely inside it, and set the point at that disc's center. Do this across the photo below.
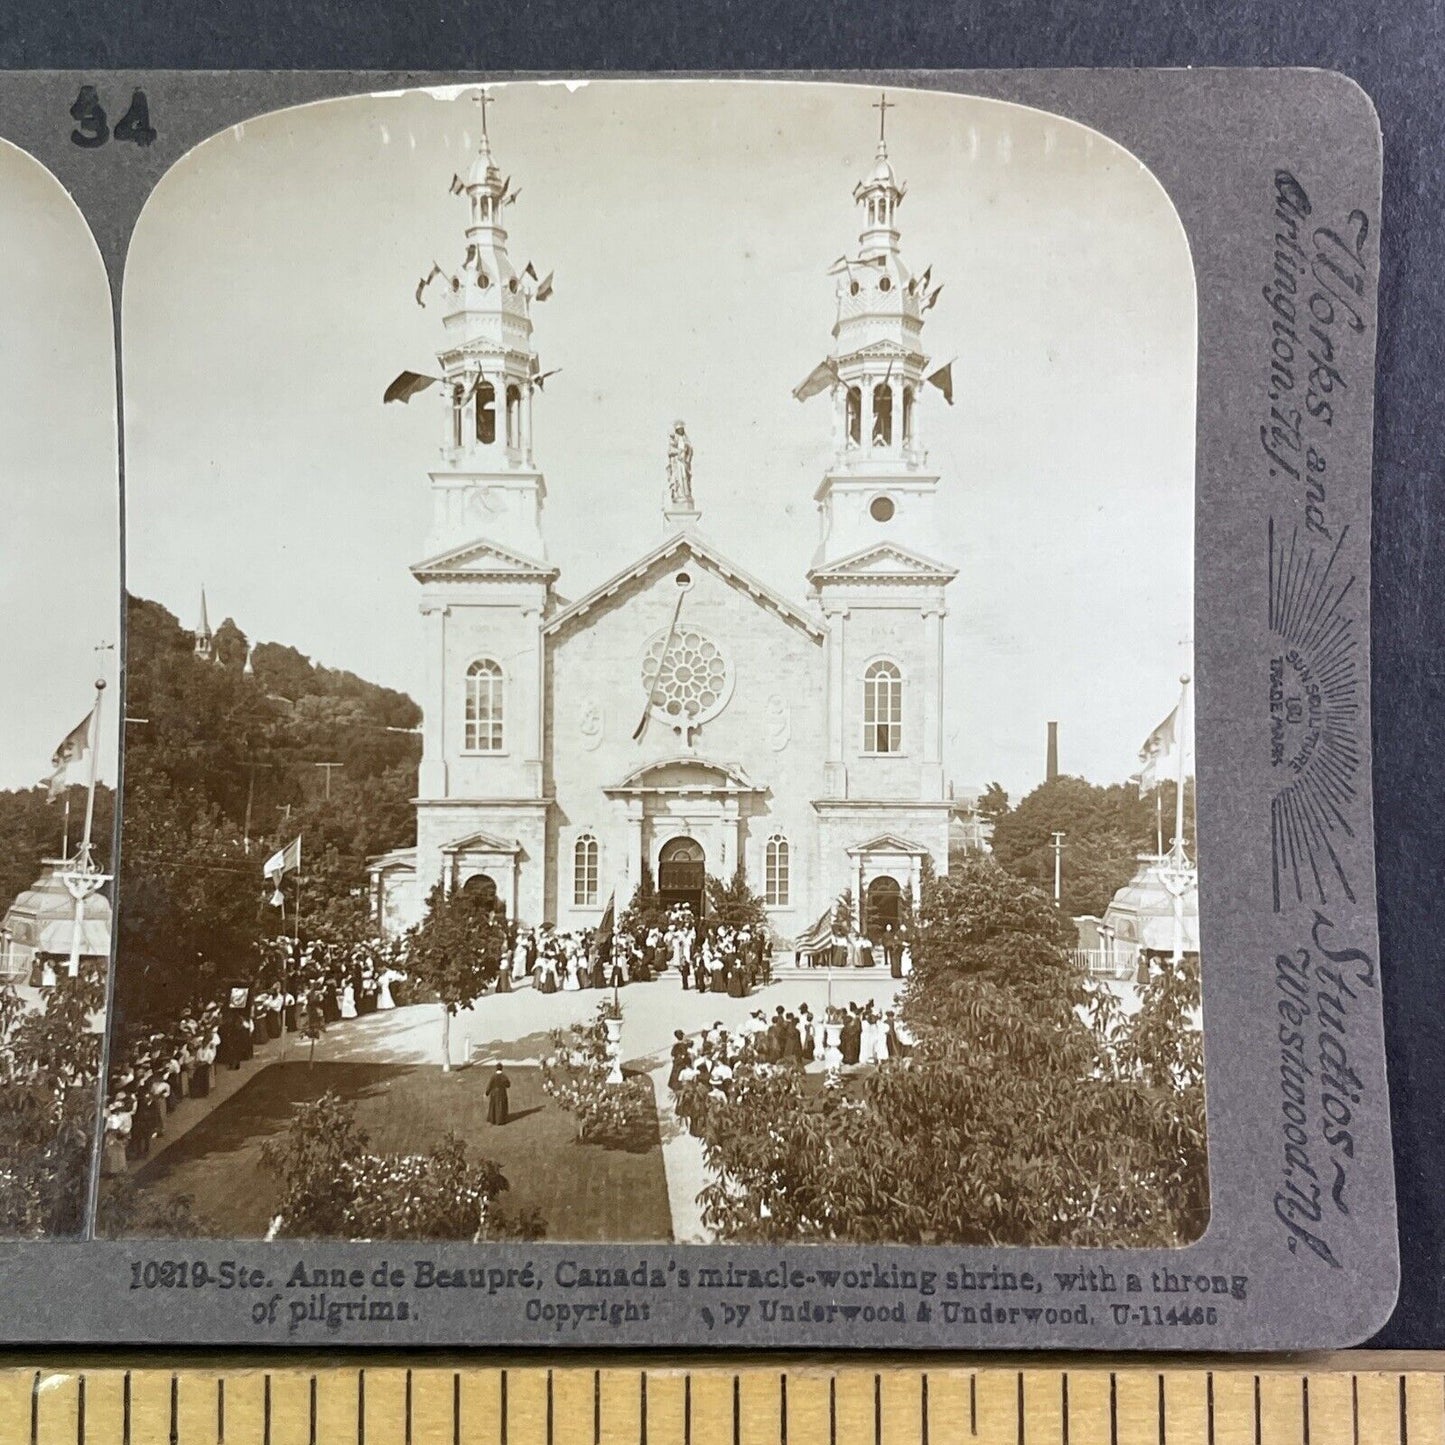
(92, 128)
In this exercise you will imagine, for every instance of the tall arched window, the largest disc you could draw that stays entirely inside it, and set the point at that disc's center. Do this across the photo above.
(908, 416)
(882, 708)
(855, 415)
(484, 706)
(882, 415)
(776, 860)
(584, 872)
(486, 413)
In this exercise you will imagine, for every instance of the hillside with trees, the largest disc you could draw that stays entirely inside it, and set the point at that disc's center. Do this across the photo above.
(222, 765)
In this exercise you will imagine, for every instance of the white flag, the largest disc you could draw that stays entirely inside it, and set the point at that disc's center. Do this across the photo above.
(283, 861)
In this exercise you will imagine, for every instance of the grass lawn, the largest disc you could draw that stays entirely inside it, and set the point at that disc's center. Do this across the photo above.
(584, 1192)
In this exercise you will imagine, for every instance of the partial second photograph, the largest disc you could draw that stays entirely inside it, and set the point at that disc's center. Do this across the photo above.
(659, 677)
(60, 630)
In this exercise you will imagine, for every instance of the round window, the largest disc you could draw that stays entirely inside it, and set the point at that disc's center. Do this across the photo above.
(688, 677)
(881, 509)
(683, 580)
(885, 283)
(852, 288)
(512, 284)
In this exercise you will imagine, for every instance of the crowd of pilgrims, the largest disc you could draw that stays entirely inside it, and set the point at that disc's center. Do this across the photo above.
(865, 1035)
(300, 989)
(309, 988)
(710, 957)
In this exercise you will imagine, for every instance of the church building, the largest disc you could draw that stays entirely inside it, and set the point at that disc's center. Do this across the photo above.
(682, 716)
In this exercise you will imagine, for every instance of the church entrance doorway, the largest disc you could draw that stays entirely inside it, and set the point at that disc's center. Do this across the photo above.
(682, 875)
(882, 908)
(481, 889)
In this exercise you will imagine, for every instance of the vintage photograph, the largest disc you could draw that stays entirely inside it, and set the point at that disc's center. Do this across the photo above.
(659, 652)
(59, 629)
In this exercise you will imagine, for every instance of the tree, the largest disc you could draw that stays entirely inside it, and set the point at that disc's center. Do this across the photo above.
(1105, 830)
(49, 1104)
(223, 769)
(734, 903)
(455, 951)
(992, 803)
(643, 910)
(1022, 1116)
(843, 912)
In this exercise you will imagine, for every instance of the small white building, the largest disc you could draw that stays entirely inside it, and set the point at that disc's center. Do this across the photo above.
(1154, 914)
(683, 715)
(38, 928)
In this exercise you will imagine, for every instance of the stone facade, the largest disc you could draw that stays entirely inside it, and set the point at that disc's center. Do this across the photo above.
(682, 716)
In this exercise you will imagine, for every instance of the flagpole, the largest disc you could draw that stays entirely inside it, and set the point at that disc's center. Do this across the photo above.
(1180, 857)
(65, 830)
(286, 960)
(84, 862)
(94, 766)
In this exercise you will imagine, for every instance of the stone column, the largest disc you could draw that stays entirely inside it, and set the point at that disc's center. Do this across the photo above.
(629, 869)
(865, 389)
(432, 776)
(932, 703)
(835, 771)
(526, 422)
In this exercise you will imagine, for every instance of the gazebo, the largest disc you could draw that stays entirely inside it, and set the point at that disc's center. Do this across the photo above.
(1143, 918)
(39, 928)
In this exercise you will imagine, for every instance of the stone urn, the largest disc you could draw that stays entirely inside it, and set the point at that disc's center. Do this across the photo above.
(614, 1048)
(832, 1045)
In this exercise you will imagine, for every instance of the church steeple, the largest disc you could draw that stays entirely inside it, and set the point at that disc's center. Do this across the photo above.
(877, 484)
(488, 486)
(205, 639)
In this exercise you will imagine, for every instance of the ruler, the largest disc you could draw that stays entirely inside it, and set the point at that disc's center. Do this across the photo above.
(1347, 1399)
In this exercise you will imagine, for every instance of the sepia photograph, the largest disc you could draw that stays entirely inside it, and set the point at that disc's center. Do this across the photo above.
(59, 630)
(659, 653)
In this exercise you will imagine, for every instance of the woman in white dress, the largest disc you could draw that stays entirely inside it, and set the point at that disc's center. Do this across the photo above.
(384, 998)
(572, 983)
(868, 1043)
(348, 1002)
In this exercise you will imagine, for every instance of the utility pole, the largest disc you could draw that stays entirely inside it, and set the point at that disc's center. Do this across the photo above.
(328, 767)
(1058, 867)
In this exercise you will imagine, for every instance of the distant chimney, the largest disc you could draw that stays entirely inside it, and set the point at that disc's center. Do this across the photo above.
(1051, 770)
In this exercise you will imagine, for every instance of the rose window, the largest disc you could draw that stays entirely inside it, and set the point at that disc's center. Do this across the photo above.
(689, 678)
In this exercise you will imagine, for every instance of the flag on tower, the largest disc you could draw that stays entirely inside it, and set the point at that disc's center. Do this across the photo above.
(943, 380)
(819, 379)
(74, 746)
(283, 861)
(407, 385)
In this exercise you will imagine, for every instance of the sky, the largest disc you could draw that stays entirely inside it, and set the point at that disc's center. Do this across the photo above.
(60, 546)
(268, 301)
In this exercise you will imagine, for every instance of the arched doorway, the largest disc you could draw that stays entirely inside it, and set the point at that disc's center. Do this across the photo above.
(682, 874)
(481, 889)
(883, 907)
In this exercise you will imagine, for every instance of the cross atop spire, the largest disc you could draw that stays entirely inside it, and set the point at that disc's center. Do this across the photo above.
(483, 99)
(883, 105)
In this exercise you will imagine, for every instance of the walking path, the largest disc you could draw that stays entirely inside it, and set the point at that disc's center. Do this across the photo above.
(516, 1028)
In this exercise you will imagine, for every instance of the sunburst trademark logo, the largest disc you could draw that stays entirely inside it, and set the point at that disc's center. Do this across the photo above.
(1314, 717)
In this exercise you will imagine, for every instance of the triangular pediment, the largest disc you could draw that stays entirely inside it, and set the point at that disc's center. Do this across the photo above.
(482, 560)
(684, 546)
(886, 560)
(482, 842)
(888, 843)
